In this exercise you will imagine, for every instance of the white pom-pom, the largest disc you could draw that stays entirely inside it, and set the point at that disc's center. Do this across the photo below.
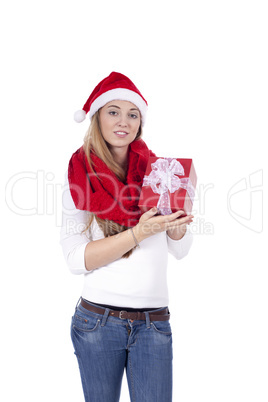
(79, 116)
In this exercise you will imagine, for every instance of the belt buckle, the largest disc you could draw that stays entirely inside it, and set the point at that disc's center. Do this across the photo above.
(120, 314)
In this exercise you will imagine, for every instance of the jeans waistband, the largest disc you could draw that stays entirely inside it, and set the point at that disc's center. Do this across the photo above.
(161, 314)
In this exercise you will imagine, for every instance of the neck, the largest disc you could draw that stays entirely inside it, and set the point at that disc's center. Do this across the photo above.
(120, 156)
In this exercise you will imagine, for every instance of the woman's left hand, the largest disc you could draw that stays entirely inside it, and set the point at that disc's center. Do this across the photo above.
(178, 232)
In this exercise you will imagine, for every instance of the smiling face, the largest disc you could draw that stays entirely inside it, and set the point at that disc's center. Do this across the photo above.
(119, 123)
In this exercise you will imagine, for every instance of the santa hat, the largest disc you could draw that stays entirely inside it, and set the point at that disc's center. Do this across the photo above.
(114, 87)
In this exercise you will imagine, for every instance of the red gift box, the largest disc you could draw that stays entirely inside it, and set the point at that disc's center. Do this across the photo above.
(169, 184)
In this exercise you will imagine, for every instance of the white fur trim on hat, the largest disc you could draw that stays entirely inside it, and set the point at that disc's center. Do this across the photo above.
(119, 94)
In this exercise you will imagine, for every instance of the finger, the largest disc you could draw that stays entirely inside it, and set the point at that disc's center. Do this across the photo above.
(177, 213)
(180, 221)
(173, 216)
(148, 214)
(187, 216)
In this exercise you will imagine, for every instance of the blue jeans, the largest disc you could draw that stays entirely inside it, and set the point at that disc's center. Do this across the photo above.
(105, 346)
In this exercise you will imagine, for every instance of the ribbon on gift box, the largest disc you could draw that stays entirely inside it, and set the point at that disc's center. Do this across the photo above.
(164, 179)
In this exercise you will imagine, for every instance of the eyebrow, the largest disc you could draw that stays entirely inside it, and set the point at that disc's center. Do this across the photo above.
(114, 106)
(120, 108)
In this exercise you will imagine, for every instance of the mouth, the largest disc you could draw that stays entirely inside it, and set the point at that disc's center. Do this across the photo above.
(121, 134)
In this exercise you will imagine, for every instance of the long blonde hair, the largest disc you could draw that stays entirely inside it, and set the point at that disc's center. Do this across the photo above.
(94, 140)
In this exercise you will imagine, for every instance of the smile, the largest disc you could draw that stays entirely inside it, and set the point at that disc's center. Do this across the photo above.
(121, 133)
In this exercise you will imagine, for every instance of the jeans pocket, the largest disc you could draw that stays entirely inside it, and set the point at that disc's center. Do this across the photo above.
(162, 327)
(85, 322)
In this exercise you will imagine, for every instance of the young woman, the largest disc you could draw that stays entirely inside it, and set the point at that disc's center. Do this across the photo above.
(122, 319)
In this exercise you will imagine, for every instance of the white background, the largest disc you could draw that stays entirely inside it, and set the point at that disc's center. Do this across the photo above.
(202, 66)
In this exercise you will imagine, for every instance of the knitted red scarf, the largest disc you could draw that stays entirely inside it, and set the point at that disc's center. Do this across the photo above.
(105, 195)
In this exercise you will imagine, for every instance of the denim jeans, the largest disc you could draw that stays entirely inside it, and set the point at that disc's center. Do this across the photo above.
(105, 346)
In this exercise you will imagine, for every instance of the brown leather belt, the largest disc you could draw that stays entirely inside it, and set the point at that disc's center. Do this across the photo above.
(162, 315)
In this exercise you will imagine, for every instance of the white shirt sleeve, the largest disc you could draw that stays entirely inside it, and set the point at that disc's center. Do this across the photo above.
(180, 248)
(72, 239)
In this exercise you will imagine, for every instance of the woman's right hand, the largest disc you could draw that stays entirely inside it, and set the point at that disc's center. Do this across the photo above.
(149, 224)
(117, 245)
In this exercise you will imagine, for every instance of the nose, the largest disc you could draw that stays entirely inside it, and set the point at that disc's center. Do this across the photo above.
(122, 121)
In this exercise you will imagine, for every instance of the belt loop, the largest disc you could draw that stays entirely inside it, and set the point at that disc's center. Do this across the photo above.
(148, 322)
(105, 316)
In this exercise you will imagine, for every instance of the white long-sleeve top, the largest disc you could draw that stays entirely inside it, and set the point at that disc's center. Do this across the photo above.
(139, 281)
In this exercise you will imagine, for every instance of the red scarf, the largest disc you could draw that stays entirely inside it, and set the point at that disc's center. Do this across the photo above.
(105, 195)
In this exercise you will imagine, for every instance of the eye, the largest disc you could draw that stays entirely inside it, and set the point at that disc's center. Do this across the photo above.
(113, 113)
(134, 116)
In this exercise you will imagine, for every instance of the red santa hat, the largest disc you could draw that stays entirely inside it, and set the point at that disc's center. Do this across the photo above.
(114, 87)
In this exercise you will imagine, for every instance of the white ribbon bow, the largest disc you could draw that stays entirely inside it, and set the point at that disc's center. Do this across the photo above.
(163, 180)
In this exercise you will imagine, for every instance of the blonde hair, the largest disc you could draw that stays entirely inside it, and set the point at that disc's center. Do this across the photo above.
(94, 141)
